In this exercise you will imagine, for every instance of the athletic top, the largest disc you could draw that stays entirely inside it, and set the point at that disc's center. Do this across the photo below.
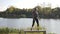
(35, 14)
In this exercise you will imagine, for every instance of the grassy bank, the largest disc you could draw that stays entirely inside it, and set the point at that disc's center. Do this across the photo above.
(21, 31)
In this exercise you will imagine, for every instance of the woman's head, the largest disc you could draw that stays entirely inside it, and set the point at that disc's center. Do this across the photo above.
(35, 9)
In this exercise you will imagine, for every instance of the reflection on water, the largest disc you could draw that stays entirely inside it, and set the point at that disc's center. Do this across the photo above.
(52, 25)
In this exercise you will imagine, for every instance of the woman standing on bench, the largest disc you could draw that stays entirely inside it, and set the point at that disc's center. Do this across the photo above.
(35, 17)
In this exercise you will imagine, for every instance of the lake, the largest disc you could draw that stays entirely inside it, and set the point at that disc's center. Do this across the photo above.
(52, 25)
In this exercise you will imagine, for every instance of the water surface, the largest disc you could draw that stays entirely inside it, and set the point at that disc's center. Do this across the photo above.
(52, 25)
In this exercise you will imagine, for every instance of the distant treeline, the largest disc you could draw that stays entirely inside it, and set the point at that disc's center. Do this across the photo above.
(45, 12)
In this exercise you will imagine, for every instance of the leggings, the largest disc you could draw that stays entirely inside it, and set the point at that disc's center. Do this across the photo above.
(35, 19)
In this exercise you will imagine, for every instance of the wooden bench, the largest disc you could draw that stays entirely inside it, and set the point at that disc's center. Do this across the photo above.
(36, 31)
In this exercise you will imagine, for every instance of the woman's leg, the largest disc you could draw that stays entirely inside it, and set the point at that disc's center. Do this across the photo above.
(37, 23)
(33, 22)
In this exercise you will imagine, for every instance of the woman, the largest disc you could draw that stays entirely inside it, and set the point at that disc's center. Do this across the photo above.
(35, 17)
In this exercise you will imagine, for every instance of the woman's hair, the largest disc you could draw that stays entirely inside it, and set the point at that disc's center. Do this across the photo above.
(35, 8)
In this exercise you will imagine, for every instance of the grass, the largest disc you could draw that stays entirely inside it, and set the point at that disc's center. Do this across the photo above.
(23, 33)
(13, 33)
(17, 31)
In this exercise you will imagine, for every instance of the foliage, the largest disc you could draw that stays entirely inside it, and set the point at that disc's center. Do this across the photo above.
(45, 12)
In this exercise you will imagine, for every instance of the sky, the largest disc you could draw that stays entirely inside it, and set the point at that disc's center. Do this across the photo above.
(4, 4)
